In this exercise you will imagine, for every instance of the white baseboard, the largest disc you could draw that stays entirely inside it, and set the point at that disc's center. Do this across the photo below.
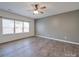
(58, 40)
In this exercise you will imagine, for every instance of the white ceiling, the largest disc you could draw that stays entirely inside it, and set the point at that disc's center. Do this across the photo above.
(25, 8)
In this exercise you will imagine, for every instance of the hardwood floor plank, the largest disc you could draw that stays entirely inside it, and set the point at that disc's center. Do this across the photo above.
(38, 47)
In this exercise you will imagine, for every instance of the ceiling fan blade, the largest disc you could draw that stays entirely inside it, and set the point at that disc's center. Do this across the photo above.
(44, 7)
(41, 12)
(36, 6)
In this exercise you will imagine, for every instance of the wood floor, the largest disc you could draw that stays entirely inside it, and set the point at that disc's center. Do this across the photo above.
(38, 47)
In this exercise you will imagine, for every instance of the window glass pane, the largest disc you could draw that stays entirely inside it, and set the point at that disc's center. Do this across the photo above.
(7, 26)
(18, 26)
(26, 26)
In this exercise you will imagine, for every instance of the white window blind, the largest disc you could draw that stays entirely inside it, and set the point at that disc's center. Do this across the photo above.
(7, 26)
(18, 27)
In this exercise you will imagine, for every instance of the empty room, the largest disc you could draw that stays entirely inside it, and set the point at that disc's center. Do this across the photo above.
(39, 29)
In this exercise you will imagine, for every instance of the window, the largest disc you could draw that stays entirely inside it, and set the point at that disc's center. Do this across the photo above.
(7, 26)
(12, 26)
(18, 26)
(26, 26)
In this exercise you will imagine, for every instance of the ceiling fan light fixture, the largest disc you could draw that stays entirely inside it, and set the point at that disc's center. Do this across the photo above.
(35, 12)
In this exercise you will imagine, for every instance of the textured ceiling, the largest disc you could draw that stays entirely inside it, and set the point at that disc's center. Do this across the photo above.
(25, 8)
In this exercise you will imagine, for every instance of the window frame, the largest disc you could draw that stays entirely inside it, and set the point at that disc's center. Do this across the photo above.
(14, 26)
(29, 26)
(2, 26)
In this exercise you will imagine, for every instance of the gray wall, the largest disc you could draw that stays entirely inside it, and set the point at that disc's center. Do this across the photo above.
(63, 26)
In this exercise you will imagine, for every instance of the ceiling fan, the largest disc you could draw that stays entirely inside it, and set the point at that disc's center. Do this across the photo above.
(38, 9)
